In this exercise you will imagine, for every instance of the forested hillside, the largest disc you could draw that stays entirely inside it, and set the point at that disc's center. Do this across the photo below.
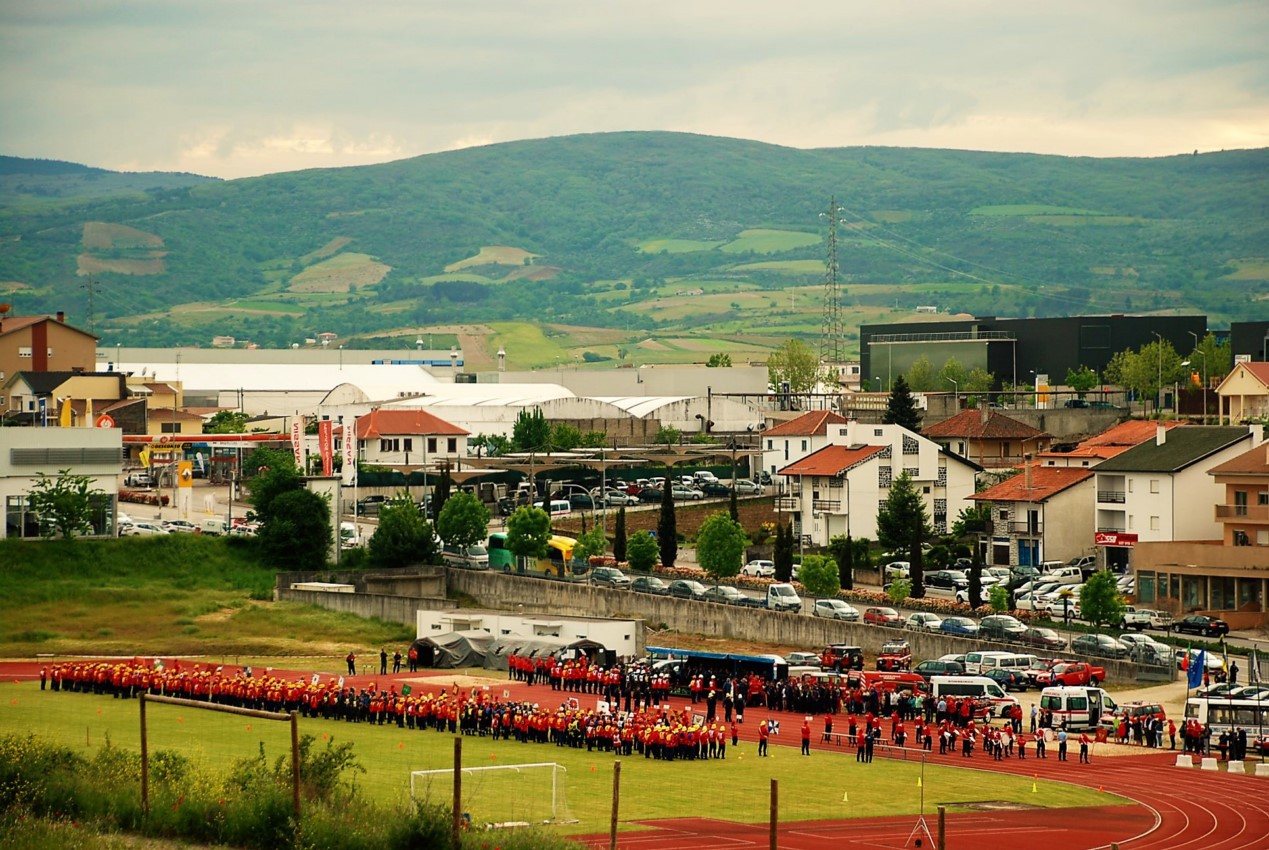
(642, 233)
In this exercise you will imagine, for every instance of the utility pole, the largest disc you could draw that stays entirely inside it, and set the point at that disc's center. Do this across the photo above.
(831, 327)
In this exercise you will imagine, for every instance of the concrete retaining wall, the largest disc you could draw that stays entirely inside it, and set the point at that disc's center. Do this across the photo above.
(791, 631)
(392, 597)
(390, 609)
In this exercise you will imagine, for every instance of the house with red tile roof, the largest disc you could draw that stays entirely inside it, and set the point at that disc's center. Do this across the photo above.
(838, 489)
(1244, 394)
(796, 438)
(1113, 441)
(393, 436)
(1045, 513)
(988, 438)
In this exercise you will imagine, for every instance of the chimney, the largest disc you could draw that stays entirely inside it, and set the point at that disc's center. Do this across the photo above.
(986, 414)
(1026, 471)
(61, 316)
(1160, 435)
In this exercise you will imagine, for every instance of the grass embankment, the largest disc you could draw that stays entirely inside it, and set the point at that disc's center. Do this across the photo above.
(182, 594)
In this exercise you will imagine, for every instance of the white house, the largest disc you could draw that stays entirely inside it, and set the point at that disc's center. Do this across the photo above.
(1244, 393)
(797, 438)
(1045, 513)
(1161, 489)
(839, 489)
(407, 437)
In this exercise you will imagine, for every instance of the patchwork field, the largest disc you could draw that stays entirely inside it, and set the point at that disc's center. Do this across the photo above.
(341, 273)
(675, 246)
(762, 241)
(499, 255)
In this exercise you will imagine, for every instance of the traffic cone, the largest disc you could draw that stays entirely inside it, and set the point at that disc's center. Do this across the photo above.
(1033, 791)
(845, 796)
(918, 782)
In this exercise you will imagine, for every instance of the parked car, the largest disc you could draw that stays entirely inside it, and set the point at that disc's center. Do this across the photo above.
(745, 487)
(649, 494)
(923, 621)
(1042, 638)
(138, 479)
(581, 501)
(620, 497)
(1010, 680)
(370, 504)
(713, 488)
(682, 492)
(946, 581)
(963, 626)
(1144, 618)
(474, 557)
(896, 569)
(759, 568)
(1001, 627)
(1211, 660)
(609, 577)
(650, 584)
(1103, 646)
(687, 589)
(143, 529)
(727, 595)
(179, 526)
(936, 667)
(835, 609)
(882, 616)
(1201, 624)
(842, 656)
(802, 659)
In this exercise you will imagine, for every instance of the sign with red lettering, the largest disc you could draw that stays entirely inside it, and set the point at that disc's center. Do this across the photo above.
(1115, 538)
(326, 445)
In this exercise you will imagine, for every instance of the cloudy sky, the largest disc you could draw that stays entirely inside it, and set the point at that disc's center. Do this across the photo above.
(230, 88)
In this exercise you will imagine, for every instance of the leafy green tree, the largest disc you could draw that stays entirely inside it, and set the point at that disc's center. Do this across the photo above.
(402, 537)
(667, 526)
(591, 544)
(464, 521)
(619, 535)
(565, 437)
(296, 533)
(819, 575)
(720, 546)
(1081, 380)
(226, 422)
(275, 474)
(531, 432)
(65, 504)
(920, 376)
(667, 435)
(899, 591)
(1100, 602)
(718, 359)
(953, 370)
(971, 520)
(901, 407)
(1153, 366)
(794, 362)
(491, 445)
(979, 380)
(641, 551)
(1218, 357)
(998, 598)
(904, 524)
(594, 439)
(528, 530)
(846, 551)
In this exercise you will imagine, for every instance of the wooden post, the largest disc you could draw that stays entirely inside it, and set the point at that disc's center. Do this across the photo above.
(775, 811)
(458, 794)
(942, 839)
(616, 805)
(295, 763)
(145, 763)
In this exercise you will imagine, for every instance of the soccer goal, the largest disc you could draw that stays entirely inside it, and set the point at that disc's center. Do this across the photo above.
(500, 795)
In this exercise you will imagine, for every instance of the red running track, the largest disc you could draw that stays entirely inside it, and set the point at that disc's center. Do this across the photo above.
(1176, 809)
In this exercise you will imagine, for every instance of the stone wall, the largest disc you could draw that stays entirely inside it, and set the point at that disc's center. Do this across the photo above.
(392, 597)
(688, 516)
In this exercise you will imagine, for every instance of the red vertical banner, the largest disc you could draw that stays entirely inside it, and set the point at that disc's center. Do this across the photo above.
(297, 442)
(326, 445)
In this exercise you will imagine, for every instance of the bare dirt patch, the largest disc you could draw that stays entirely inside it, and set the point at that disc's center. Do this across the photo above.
(89, 264)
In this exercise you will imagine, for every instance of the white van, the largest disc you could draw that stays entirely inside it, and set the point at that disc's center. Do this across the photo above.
(1016, 661)
(214, 527)
(974, 661)
(474, 557)
(349, 538)
(556, 507)
(1080, 708)
(782, 597)
(975, 687)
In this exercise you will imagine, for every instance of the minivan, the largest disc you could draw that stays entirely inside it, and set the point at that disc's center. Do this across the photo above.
(782, 597)
(1016, 662)
(555, 507)
(472, 557)
(975, 687)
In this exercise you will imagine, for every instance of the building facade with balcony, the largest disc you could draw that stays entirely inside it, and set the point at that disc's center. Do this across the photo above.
(795, 439)
(1160, 491)
(839, 489)
(1042, 514)
(1244, 394)
(988, 438)
(1229, 577)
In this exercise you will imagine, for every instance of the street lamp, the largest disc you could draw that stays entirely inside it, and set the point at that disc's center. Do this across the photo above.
(956, 389)
(1158, 396)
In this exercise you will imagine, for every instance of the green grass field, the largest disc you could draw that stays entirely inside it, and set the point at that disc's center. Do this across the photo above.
(810, 788)
(784, 266)
(1030, 210)
(763, 241)
(675, 246)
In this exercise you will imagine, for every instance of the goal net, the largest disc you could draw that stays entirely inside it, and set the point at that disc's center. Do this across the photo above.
(500, 795)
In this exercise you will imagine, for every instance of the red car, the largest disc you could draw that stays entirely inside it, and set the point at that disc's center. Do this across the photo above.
(884, 617)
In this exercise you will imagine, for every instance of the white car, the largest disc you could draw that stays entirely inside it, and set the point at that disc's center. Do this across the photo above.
(143, 529)
(897, 569)
(923, 621)
(835, 609)
(759, 569)
(745, 487)
(179, 526)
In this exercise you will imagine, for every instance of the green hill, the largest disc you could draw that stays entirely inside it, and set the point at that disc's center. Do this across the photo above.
(586, 231)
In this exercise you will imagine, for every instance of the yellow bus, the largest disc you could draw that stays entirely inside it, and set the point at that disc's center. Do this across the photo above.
(559, 558)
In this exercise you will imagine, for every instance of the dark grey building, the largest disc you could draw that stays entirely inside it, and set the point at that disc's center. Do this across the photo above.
(1251, 339)
(1012, 349)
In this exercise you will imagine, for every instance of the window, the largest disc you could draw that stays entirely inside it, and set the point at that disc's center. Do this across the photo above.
(1004, 515)
(876, 432)
(1240, 503)
(169, 427)
(1262, 498)
(451, 445)
(1154, 485)
(1154, 523)
(804, 445)
(407, 444)
(1129, 485)
(431, 445)
(770, 445)
(24, 351)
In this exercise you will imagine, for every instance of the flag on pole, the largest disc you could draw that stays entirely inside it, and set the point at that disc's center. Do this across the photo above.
(65, 418)
(1253, 674)
(1194, 676)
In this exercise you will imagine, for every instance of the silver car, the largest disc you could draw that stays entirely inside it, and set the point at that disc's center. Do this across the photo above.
(834, 609)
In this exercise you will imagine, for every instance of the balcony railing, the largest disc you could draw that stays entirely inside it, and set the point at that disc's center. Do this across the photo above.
(1032, 528)
(1111, 529)
(788, 504)
(826, 506)
(1250, 512)
(1116, 497)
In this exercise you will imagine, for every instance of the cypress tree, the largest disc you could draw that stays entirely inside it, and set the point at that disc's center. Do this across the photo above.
(619, 536)
(667, 525)
(901, 407)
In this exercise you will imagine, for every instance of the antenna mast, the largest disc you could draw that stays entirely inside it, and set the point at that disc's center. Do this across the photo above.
(831, 329)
